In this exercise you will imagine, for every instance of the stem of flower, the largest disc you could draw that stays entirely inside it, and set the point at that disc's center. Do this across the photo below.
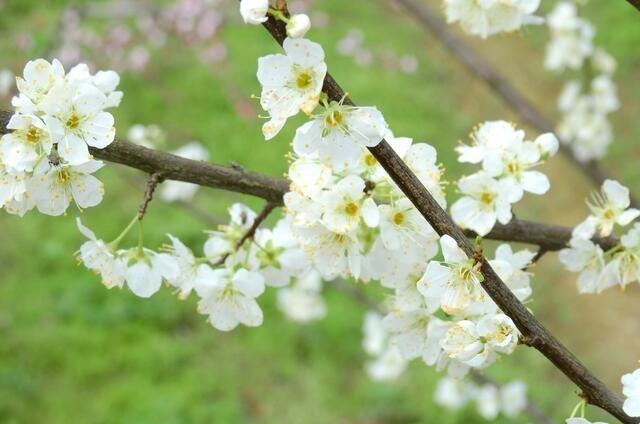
(114, 243)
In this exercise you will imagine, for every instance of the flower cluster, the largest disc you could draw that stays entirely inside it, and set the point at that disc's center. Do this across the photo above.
(618, 266)
(352, 220)
(44, 159)
(584, 104)
(490, 400)
(227, 279)
(507, 172)
(454, 324)
(488, 17)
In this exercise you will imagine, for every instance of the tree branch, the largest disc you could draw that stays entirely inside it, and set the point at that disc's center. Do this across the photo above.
(236, 179)
(596, 392)
(478, 67)
(198, 172)
(251, 231)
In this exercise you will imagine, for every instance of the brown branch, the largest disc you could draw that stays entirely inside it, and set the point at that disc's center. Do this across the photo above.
(596, 391)
(478, 67)
(154, 179)
(260, 218)
(236, 179)
(198, 172)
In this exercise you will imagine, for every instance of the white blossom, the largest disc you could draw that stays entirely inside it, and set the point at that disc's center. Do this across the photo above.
(290, 82)
(150, 136)
(587, 258)
(453, 284)
(100, 257)
(487, 17)
(277, 255)
(146, 270)
(38, 78)
(338, 134)
(254, 11)
(228, 297)
(487, 401)
(485, 200)
(76, 110)
(183, 259)
(29, 140)
(54, 186)
(571, 38)
(345, 204)
(609, 207)
(303, 301)
(631, 391)
(513, 398)
(452, 394)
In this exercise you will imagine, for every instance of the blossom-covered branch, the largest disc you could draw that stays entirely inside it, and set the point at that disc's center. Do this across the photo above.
(236, 179)
(498, 83)
(533, 332)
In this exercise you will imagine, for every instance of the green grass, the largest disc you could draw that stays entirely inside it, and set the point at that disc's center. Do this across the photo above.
(72, 351)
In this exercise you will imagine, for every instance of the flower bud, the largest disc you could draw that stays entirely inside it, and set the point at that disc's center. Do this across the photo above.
(548, 144)
(254, 11)
(298, 26)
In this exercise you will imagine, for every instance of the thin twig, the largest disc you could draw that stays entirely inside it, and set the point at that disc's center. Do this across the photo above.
(541, 252)
(597, 392)
(154, 179)
(260, 218)
(251, 231)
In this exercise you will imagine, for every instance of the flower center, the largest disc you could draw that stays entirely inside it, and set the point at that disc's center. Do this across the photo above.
(487, 198)
(64, 176)
(351, 209)
(398, 218)
(33, 134)
(334, 118)
(608, 214)
(514, 168)
(304, 80)
(369, 160)
(73, 122)
(464, 273)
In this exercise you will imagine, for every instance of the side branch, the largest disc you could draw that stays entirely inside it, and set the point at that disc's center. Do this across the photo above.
(498, 83)
(595, 390)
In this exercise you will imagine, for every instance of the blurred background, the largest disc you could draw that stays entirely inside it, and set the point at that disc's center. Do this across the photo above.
(73, 352)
